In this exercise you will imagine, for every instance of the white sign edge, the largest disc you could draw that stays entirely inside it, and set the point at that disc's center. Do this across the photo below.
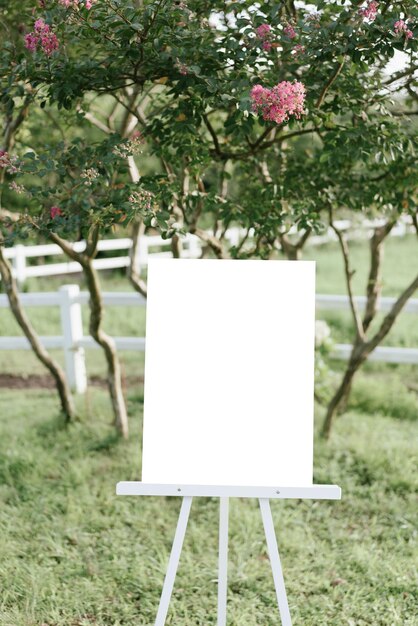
(311, 492)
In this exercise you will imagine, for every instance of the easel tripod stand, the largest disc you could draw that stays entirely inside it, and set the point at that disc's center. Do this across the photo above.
(264, 494)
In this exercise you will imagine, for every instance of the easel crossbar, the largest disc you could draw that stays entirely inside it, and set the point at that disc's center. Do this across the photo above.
(311, 492)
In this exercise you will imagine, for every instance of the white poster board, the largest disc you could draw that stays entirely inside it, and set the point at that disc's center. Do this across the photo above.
(229, 372)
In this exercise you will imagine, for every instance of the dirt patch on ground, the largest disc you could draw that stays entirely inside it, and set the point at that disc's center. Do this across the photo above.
(44, 381)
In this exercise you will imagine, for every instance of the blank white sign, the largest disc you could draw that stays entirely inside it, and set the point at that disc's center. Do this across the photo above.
(229, 372)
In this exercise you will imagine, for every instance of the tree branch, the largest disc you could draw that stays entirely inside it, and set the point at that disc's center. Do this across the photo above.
(349, 273)
(213, 242)
(390, 318)
(329, 83)
(374, 280)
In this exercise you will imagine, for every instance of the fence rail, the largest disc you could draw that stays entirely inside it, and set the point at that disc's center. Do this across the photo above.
(155, 245)
(73, 341)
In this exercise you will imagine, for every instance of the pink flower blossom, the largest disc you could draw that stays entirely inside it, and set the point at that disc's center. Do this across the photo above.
(182, 67)
(280, 102)
(40, 26)
(74, 4)
(31, 42)
(17, 188)
(401, 27)
(289, 31)
(42, 38)
(298, 49)
(54, 212)
(49, 43)
(369, 11)
(263, 31)
(9, 163)
(4, 159)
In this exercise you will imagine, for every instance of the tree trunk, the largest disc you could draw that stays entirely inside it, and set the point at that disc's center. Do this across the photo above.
(108, 344)
(358, 356)
(343, 404)
(374, 282)
(67, 404)
(176, 246)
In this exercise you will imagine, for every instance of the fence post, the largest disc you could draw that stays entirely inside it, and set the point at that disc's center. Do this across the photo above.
(195, 249)
(72, 330)
(143, 252)
(19, 264)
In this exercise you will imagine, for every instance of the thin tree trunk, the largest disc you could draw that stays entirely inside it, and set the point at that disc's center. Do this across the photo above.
(358, 356)
(374, 283)
(108, 344)
(67, 404)
(176, 246)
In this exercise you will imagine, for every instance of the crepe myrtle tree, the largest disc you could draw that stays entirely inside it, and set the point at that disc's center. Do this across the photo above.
(219, 89)
(246, 112)
(78, 191)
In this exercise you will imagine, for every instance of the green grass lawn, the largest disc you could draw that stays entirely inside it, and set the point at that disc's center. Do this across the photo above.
(74, 554)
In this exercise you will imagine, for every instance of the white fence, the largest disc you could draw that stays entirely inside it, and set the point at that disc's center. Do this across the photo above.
(154, 244)
(22, 270)
(73, 341)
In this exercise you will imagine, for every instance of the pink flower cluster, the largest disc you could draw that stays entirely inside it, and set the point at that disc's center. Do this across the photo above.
(280, 102)
(54, 212)
(289, 31)
(9, 163)
(42, 38)
(401, 27)
(369, 12)
(17, 188)
(181, 67)
(263, 33)
(299, 50)
(74, 4)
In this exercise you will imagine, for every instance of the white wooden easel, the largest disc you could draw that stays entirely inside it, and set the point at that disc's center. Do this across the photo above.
(258, 355)
(264, 494)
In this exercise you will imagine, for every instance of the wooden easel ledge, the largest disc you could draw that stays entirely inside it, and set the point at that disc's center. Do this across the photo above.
(312, 492)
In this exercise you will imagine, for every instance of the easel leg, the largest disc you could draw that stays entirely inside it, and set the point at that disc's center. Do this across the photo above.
(174, 561)
(223, 560)
(275, 562)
